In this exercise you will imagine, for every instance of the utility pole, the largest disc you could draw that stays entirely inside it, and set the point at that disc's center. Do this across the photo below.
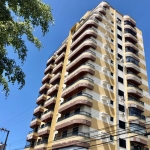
(2, 129)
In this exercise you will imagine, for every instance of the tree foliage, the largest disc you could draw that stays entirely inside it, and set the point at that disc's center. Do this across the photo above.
(19, 18)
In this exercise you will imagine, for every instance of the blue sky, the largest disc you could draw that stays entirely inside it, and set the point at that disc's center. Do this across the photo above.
(16, 111)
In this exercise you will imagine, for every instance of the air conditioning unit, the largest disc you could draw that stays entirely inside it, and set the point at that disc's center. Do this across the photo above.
(118, 58)
(104, 133)
(104, 82)
(107, 26)
(121, 60)
(122, 114)
(122, 98)
(104, 114)
(104, 97)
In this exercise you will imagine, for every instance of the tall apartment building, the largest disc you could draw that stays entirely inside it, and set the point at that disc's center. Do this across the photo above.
(94, 92)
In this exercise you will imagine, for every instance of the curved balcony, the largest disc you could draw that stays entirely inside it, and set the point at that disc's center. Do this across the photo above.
(60, 58)
(87, 44)
(134, 68)
(141, 119)
(134, 90)
(77, 86)
(41, 99)
(50, 102)
(73, 102)
(132, 77)
(46, 78)
(129, 37)
(35, 122)
(90, 32)
(138, 138)
(42, 145)
(38, 110)
(52, 90)
(51, 59)
(44, 130)
(105, 4)
(90, 22)
(61, 49)
(44, 88)
(128, 18)
(132, 55)
(81, 71)
(85, 56)
(101, 10)
(32, 136)
(129, 44)
(135, 103)
(55, 78)
(47, 115)
(73, 139)
(49, 69)
(130, 27)
(98, 16)
(74, 119)
(58, 68)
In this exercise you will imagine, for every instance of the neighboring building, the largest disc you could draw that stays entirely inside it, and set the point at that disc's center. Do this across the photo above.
(95, 88)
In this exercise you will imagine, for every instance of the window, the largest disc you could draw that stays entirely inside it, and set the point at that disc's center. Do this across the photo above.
(118, 19)
(111, 87)
(121, 108)
(112, 62)
(64, 134)
(112, 31)
(120, 56)
(135, 112)
(111, 102)
(119, 37)
(120, 80)
(122, 124)
(112, 14)
(119, 28)
(111, 74)
(120, 93)
(120, 68)
(122, 143)
(112, 40)
(136, 128)
(112, 22)
(111, 138)
(111, 119)
(119, 46)
(77, 111)
(133, 60)
(75, 131)
(67, 115)
(112, 50)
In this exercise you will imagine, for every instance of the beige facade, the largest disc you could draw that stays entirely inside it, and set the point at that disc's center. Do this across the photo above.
(95, 89)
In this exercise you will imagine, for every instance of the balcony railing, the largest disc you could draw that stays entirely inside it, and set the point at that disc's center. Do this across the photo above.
(75, 113)
(132, 85)
(29, 145)
(88, 18)
(76, 95)
(42, 142)
(44, 126)
(130, 72)
(136, 114)
(82, 78)
(51, 109)
(131, 98)
(132, 52)
(74, 133)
